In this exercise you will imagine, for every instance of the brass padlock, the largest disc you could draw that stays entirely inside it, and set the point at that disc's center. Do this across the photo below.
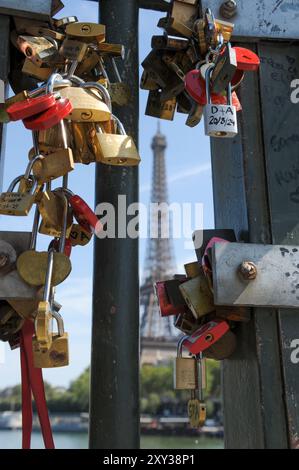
(88, 32)
(51, 208)
(147, 83)
(184, 369)
(73, 50)
(57, 355)
(19, 203)
(37, 49)
(158, 108)
(198, 296)
(53, 165)
(32, 265)
(79, 236)
(197, 409)
(87, 105)
(82, 134)
(115, 149)
(40, 73)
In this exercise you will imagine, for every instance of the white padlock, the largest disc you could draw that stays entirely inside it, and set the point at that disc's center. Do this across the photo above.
(220, 120)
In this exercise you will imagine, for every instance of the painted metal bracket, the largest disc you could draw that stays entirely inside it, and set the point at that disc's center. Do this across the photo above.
(273, 269)
(261, 19)
(12, 285)
(34, 9)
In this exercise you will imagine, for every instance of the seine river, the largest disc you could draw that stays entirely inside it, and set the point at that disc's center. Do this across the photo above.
(12, 440)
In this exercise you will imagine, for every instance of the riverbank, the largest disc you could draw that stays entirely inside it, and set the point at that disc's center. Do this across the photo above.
(13, 439)
(150, 426)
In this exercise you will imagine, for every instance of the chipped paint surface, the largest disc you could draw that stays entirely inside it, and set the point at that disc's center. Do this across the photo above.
(274, 19)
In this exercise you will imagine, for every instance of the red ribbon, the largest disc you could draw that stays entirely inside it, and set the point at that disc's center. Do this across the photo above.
(33, 384)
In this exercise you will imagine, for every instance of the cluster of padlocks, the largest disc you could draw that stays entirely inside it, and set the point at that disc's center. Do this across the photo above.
(193, 69)
(208, 330)
(70, 116)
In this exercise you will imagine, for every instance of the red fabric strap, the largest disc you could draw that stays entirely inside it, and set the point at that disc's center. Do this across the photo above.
(32, 383)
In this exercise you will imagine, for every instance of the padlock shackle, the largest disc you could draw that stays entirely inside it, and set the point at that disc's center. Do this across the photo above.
(64, 225)
(208, 78)
(55, 77)
(49, 275)
(119, 125)
(59, 320)
(34, 232)
(104, 92)
(30, 165)
(180, 345)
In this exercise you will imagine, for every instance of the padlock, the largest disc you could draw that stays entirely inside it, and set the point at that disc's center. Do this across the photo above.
(83, 213)
(184, 369)
(87, 32)
(40, 73)
(157, 70)
(192, 269)
(198, 296)
(220, 120)
(10, 322)
(51, 117)
(87, 105)
(169, 43)
(31, 106)
(36, 49)
(119, 91)
(185, 12)
(207, 259)
(195, 115)
(116, 149)
(247, 60)
(17, 203)
(165, 306)
(79, 236)
(62, 23)
(197, 409)
(58, 353)
(32, 265)
(160, 109)
(206, 336)
(224, 70)
(82, 135)
(186, 323)
(175, 27)
(74, 51)
(43, 319)
(223, 348)
(51, 208)
(147, 83)
(173, 294)
(196, 87)
(54, 165)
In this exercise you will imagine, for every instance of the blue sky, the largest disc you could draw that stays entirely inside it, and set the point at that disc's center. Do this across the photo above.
(189, 180)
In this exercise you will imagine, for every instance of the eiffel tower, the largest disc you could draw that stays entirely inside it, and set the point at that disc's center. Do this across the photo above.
(158, 335)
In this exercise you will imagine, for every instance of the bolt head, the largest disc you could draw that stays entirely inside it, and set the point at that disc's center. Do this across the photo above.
(248, 270)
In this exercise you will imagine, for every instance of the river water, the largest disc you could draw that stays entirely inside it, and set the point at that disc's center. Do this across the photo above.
(13, 439)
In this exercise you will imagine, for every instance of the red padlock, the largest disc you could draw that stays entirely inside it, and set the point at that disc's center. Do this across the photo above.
(246, 59)
(196, 87)
(166, 307)
(43, 121)
(206, 336)
(84, 214)
(30, 107)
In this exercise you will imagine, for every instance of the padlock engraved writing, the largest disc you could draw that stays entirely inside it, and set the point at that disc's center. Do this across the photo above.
(220, 120)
